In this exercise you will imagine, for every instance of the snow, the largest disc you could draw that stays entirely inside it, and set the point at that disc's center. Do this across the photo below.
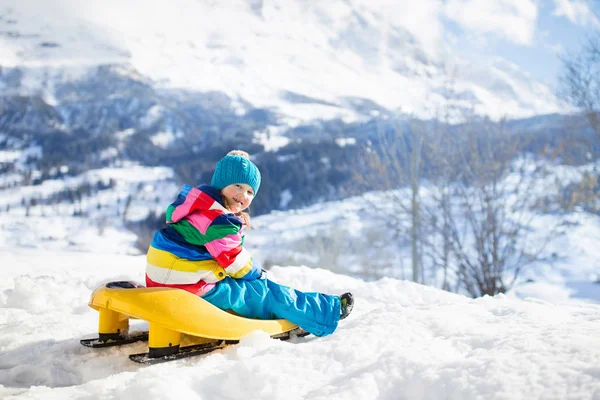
(403, 340)
(392, 53)
(7, 156)
(343, 142)
(271, 138)
(163, 139)
(129, 174)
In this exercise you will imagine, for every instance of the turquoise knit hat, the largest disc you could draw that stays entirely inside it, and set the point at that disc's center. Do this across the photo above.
(236, 169)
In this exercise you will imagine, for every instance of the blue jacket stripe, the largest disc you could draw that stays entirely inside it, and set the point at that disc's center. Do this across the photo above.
(180, 249)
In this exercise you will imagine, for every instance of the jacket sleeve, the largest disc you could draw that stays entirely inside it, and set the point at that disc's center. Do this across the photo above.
(225, 246)
(189, 200)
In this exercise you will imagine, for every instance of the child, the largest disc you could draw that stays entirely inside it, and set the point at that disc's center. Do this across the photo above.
(201, 251)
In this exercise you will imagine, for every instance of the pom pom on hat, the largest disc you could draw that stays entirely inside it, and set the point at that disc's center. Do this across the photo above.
(236, 167)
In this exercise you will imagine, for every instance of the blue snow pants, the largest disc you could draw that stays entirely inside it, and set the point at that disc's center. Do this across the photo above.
(316, 313)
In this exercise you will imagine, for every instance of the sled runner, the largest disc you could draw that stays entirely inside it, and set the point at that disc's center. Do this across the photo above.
(170, 313)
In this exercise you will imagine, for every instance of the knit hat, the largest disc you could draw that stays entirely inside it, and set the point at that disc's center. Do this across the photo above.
(235, 168)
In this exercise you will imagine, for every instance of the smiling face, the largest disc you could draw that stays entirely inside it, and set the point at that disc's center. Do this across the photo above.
(238, 196)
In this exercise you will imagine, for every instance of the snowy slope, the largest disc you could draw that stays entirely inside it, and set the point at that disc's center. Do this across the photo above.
(403, 341)
(329, 235)
(335, 235)
(304, 59)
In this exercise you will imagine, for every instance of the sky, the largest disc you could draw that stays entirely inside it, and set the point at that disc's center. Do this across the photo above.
(529, 33)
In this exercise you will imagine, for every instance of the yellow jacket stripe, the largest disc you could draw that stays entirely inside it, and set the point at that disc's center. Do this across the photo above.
(241, 266)
(166, 268)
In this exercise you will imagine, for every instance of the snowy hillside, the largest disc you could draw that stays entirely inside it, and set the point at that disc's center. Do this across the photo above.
(349, 237)
(403, 341)
(331, 235)
(304, 60)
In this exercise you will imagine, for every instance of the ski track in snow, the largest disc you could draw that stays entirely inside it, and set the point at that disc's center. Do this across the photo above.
(403, 341)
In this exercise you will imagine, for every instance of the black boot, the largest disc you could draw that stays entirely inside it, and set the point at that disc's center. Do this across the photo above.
(347, 302)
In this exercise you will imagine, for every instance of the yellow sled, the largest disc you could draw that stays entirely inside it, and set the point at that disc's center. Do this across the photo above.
(170, 312)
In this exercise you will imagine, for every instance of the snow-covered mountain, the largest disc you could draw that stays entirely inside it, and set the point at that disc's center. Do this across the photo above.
(86, 85)
(303, 60)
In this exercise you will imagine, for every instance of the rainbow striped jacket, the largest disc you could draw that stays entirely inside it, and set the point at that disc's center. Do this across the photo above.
(201, 245)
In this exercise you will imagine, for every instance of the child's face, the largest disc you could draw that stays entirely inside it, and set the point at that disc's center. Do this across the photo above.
(238, 196)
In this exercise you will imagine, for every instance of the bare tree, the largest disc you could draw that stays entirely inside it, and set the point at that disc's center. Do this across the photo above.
(469, 212)
(580, 84)
(395, 161)
(479, 213)
(580, 81)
